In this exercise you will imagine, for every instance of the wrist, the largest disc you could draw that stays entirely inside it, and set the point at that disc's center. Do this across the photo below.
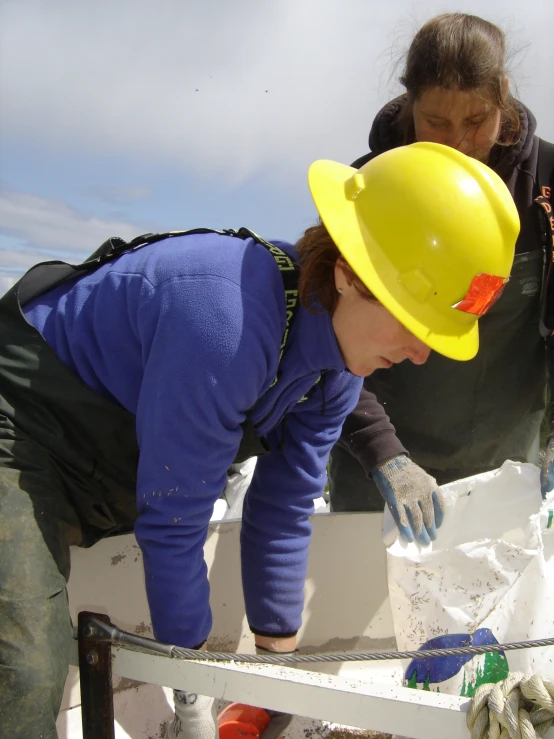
(398, 461)
(401, 455)
(275, 643)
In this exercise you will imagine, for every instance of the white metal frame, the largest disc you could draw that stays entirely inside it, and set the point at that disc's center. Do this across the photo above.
(394, 710)
(347, 609)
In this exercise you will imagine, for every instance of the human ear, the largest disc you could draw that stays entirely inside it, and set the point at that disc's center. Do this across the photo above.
(341, 275)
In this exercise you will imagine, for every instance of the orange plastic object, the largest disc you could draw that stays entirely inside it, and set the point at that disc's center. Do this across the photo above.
(483, 292)
(239, 721)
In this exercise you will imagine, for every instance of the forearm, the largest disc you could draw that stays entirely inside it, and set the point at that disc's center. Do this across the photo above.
(176, 584)
(275, 536)
(173, 517)
(276, 528)
(274, 554)
(367, 433)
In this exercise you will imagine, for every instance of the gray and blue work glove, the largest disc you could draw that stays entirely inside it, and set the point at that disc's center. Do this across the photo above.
(414, 498)
(547, 469)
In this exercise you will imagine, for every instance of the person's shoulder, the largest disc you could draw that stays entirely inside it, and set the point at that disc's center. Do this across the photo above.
(233, 276)
(263, 268)
(386, 131)
(205, 256)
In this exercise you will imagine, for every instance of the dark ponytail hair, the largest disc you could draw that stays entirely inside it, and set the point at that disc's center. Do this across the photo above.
(456, 51)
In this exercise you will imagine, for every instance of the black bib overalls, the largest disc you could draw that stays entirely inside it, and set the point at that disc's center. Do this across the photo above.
(68, 461)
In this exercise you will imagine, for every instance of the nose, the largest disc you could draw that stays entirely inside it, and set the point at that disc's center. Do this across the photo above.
(462, 141)
(418, 353)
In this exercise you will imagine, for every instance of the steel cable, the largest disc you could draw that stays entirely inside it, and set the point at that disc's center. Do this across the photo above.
(118, 636)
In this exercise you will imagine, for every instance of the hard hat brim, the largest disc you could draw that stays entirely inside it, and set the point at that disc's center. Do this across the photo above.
(327, 181)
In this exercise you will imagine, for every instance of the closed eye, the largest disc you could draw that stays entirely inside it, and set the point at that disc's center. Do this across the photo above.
(438, 124)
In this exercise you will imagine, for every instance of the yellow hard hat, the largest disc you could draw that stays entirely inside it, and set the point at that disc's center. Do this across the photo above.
(429, 231)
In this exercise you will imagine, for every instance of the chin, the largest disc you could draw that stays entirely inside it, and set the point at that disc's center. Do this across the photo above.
(363, 371)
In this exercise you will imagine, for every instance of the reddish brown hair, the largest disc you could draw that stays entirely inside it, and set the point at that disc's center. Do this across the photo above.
(456, 51)
(318, 256)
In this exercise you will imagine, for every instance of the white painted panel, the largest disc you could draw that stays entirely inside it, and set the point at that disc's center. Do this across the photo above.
(346, 609)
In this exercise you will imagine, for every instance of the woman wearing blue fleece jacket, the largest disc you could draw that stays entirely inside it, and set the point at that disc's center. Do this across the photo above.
(130, 384)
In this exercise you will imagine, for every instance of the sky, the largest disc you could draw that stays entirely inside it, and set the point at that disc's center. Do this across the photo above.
(119, 117)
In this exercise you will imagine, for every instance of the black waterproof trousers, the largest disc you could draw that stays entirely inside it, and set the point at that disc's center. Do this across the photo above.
(37, 524)
(68, 462)
(67, 477)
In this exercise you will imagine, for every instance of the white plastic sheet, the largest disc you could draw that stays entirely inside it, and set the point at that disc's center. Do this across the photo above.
(489, 577)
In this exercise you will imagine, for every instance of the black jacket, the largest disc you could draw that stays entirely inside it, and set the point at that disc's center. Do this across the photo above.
(368, 433)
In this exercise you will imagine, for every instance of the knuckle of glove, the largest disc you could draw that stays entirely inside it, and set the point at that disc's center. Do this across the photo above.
(416, 484)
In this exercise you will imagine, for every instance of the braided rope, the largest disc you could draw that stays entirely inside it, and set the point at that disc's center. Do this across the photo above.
(520, 707)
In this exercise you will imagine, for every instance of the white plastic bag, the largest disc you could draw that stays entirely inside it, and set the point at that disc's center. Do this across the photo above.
(488, 578)
(239, 477)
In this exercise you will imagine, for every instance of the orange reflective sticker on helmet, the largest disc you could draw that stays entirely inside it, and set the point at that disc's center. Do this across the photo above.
(483, 292)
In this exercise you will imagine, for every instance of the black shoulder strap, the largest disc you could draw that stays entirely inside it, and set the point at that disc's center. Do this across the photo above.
(290, 273)
(288, 268)
(545, 166)
(545, 181)
(116, 246)
(43, 277)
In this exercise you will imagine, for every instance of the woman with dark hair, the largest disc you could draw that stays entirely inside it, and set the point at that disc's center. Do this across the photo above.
(130, 383)
(455, 419)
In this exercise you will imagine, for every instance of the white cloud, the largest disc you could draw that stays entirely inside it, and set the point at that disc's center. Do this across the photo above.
(50, 229)
(5, 283)
(18, 260)
(117, 195)
(223, 88)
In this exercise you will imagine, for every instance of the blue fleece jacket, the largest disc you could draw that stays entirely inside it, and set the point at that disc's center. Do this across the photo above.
(186, 334)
